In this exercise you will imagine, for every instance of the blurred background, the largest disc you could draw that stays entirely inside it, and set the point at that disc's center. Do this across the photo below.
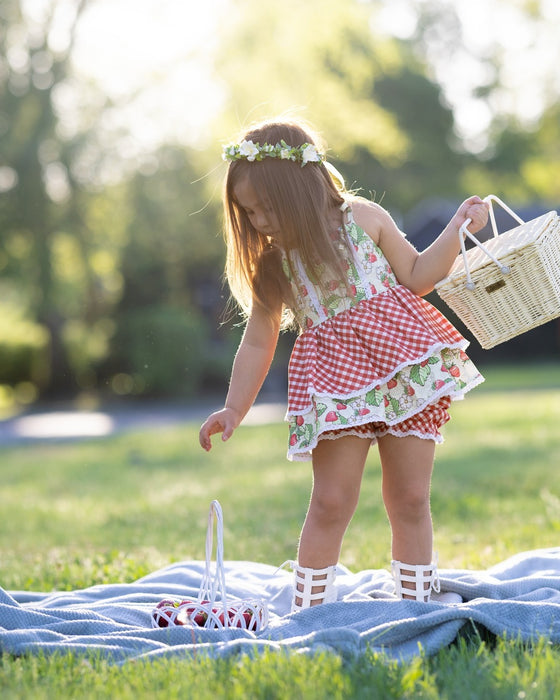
(112, 117)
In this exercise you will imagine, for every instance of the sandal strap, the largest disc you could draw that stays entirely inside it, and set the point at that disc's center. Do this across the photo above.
(423, 577)
(307, 579)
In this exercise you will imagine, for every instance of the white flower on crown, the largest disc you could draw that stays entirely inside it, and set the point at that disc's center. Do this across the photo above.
(309, 154)
(247, 149)
(306, 153)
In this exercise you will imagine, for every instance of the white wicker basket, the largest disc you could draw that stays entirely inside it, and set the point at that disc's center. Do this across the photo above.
(212, 609)
(510, 284)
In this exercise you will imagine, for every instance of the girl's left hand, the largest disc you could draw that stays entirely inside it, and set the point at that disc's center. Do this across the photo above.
(475, 209)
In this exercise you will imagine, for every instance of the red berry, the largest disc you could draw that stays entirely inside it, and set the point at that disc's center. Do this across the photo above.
(222, 618)
(249, 623)
(162, 620)
(199, 619)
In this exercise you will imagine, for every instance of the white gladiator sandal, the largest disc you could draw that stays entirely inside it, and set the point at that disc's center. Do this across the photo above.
(425, 583)
(422, 577)
(313, 586)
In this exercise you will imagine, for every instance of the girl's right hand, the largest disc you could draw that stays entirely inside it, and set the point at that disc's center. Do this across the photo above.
(224, 421)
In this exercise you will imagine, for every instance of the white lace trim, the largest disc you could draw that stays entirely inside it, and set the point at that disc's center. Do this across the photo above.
(299, 455)
(373, 435)
(306, 456)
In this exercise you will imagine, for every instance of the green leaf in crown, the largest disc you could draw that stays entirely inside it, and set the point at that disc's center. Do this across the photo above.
(321, 408)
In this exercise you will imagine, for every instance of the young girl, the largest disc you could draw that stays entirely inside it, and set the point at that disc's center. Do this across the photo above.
(374, 362)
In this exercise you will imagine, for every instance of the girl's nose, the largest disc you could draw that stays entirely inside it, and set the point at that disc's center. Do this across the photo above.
(261, 221)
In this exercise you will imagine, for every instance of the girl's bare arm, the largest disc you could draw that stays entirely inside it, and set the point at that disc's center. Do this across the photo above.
(250, 367)
(420, 271)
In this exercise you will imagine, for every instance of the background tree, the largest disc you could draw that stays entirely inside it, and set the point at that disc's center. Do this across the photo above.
(386, 122)
(37, 186)
(168, 309)
(110, 255)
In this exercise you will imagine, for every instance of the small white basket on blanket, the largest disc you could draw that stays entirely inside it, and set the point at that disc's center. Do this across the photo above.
(212, 609)
(510, 284)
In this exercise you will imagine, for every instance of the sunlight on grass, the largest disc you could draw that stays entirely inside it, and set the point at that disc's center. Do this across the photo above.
(116, 509)
(144, 497)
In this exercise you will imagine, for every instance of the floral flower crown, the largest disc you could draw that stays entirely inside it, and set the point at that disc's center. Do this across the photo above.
(247, 150)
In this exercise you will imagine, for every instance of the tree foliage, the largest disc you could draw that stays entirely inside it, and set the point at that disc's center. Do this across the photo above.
(115, 282)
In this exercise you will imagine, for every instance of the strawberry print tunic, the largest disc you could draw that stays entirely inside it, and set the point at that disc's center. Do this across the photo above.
(371, 355)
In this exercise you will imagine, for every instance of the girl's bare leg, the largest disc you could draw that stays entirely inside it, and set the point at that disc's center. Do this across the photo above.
(407, 464)
(338, 466)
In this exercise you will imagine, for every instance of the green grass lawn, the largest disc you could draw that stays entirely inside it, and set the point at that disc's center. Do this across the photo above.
(114, 509)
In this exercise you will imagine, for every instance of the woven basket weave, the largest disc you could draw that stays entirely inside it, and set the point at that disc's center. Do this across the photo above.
(510, 284)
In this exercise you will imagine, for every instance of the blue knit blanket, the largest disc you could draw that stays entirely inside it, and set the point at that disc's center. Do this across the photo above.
(519, 598)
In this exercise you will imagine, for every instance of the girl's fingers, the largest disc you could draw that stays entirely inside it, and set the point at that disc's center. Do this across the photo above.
(477, 211)
(208, 429)
(211, 427)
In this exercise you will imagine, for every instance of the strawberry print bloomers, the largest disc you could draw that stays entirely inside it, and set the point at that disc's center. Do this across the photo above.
(370, 357)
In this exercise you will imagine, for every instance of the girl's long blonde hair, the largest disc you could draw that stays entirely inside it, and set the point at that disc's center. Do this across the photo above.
(301, 198)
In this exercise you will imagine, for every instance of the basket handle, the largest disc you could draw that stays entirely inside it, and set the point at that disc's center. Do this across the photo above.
(464, 233)
(214, 586)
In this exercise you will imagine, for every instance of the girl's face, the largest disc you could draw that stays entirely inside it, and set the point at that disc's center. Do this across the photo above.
(258, 212)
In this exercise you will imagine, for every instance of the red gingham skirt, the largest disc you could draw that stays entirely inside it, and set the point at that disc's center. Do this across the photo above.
(365, 345)
(348, 373)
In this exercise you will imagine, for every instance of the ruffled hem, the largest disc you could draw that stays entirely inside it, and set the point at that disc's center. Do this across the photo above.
(306, 456)
(403, 396)
(431, 352)
(366, 346)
